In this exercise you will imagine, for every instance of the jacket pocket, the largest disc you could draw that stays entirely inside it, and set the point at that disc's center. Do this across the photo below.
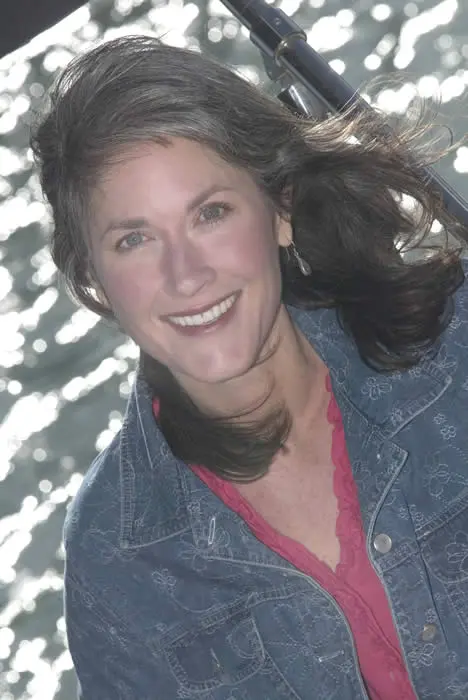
(224, 650)
(444, 547)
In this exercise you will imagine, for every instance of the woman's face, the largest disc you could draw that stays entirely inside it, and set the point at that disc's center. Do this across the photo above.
(164, 243)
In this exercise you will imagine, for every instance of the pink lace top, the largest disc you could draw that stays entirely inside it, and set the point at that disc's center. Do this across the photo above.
(355, 586)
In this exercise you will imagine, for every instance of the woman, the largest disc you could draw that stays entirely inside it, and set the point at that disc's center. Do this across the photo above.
(284, 514)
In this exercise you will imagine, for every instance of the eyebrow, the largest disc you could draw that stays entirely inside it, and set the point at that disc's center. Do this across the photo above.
(140, 222)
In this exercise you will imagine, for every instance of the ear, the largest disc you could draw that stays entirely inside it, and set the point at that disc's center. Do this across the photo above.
(284, 232)
(283, 223)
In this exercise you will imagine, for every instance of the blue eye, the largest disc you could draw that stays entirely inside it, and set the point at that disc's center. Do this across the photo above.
(217, 208)
(130, 241)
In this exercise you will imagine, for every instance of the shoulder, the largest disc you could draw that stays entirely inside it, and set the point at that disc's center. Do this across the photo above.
(96, 506)
(457, 331)
(451, 357)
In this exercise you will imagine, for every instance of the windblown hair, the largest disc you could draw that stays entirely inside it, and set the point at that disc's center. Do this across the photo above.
(347, 177)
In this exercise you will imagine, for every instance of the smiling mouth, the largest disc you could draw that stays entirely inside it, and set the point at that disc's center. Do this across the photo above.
(207, 317)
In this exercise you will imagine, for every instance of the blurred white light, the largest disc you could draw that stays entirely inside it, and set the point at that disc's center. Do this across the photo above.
(104, 439)
(60, 495)
(215, 35)
(396, 101)
(123, 7)
(386, 44)
(10, 162)
(12, 677)
(231, 29)
(461, 160)
(73, 389)
(45, 486)
(14, 387)
(338, 65)
(61, 626)
(77, 326)
(7, 636)
(372, 61)
(29, 415)
(36, 89)
(411, 9)
(46, 300)
(127, 349)
(5, 188)
(67, 462)
(451, 87)
(381, 12)
(62, 663)
(14, 78)
(39, 345)
(451, 59)
(345, 17)
(4, 653)
(12, 342)
(290, 7)
(39, 454)
(16, 212)
(327, 34)
(6, 282)
(7, 122)
(124, 389)
(444, 42)
(115, 424)
(45, 274)
(428, 86)
(173, 20)
(21, 104)
(419, 25)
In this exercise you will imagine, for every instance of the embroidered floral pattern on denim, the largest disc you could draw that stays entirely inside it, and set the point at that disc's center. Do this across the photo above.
(169, 595)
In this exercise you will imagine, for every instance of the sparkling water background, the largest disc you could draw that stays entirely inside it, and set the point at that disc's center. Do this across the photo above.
(64, 374)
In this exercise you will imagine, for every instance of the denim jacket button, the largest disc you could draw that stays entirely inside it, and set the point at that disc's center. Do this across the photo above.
(429, 632)
(382, 543)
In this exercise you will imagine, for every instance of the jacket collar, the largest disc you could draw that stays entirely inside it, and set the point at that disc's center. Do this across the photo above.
(161, 497)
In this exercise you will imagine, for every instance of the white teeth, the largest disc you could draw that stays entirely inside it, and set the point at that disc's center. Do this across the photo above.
(206, 317)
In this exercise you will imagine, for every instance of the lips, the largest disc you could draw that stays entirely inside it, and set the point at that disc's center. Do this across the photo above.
(203, 329)
(198, 309)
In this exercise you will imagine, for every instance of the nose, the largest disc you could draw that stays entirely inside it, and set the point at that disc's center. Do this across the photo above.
(188, 269)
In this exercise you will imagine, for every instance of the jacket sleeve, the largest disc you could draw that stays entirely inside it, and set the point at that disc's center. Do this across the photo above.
(111, 662)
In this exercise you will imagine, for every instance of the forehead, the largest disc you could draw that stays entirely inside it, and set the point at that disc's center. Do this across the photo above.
(181, 162)
(157, 182)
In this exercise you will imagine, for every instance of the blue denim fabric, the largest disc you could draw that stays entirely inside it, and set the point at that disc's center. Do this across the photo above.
(169, 595)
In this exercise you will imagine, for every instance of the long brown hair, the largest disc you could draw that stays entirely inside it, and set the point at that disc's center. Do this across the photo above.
(347, 181)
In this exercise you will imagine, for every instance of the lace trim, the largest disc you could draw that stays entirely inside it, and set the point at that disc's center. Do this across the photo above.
(348, 523)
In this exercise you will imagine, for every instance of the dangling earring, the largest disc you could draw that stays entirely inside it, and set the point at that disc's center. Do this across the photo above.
(302, 264)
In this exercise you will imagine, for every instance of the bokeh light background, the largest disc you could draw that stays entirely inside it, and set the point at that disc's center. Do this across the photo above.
(64, 374)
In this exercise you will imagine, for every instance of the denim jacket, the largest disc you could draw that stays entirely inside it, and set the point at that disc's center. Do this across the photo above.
(169, 595)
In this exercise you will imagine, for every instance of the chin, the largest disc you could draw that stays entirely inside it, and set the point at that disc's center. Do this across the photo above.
(219, 375)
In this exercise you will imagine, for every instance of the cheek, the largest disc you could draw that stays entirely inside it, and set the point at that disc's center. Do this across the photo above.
(128, 289)
(253, 250)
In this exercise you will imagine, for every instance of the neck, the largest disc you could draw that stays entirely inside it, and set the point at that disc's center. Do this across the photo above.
(293, 376)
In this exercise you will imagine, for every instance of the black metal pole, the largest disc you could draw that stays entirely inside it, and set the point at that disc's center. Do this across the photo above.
(288, 55)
